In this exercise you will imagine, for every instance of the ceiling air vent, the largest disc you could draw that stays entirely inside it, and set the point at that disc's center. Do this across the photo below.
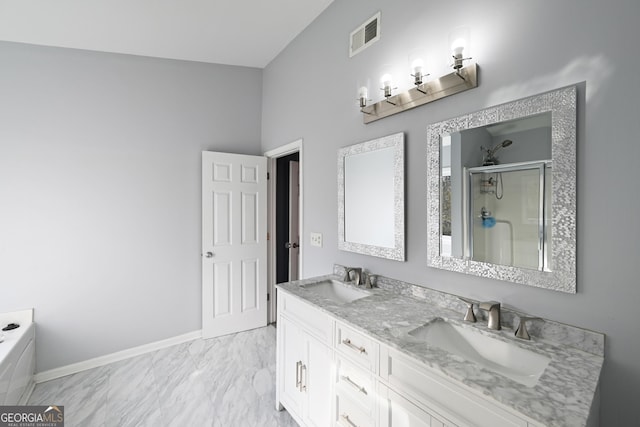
(365, 35)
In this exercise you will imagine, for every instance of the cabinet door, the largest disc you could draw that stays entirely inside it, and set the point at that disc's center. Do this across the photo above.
(290, 352)
(317, 382)
(396, 411)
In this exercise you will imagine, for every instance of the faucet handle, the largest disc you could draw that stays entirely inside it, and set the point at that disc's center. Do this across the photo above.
(367, 281)
(521, 331)
(469, 316)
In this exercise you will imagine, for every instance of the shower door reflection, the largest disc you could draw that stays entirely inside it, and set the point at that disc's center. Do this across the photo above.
(508, 214)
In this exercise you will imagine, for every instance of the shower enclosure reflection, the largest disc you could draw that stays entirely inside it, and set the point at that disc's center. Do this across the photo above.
(502, 174)
(509, 207)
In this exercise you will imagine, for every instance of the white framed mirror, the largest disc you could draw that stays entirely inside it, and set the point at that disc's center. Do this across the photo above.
(371, 197)
(502, 192)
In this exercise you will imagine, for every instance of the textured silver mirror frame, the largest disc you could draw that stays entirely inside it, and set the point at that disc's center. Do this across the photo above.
(397, 142)
(562, 105)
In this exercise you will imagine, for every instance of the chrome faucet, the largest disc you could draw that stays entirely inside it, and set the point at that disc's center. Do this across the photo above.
(357, 272)
(493, 308)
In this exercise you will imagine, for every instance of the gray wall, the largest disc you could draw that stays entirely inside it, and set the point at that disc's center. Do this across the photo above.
(523, 48)
(100, 191)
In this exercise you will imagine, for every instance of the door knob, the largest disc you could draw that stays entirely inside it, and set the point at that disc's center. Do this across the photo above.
(209, 254)
(291, 245)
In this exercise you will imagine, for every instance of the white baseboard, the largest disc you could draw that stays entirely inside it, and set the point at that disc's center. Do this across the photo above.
(27, 393)
(96, 362)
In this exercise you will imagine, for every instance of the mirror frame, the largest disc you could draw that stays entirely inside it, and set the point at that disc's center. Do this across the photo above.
(562, 105)
(397, 252)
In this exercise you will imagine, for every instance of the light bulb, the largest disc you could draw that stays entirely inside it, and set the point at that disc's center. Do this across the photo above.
(459, 43)
(417, 65)
(458, 46)
(363, 92)
(386, 80)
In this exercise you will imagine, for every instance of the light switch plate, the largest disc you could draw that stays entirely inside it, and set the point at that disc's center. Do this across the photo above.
(316, 239)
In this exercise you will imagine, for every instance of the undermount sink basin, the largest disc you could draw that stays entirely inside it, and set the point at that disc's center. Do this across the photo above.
(336, 291)
(508, 359)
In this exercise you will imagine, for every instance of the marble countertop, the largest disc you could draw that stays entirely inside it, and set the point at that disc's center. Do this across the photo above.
(563, 394)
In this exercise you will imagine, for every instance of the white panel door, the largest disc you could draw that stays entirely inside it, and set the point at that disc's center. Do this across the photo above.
(234, 243)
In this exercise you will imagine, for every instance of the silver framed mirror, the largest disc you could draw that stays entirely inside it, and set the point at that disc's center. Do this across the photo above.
(371, 198)
(502, 192)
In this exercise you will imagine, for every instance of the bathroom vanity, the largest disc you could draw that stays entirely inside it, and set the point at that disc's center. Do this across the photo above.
(401, 355)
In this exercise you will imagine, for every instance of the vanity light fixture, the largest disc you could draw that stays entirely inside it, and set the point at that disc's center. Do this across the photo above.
(364, 93)
(387, 86)
(459, 41)
(463, 78)
(416, 65)
(363, 86)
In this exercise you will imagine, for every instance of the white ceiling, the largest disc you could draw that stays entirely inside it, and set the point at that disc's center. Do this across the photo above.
(235, 32)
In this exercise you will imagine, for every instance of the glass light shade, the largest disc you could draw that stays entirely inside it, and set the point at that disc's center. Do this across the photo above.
(363, 86)
(386, 80)
(417, 58)
(417, 65)
(459, 41)
(458, 46)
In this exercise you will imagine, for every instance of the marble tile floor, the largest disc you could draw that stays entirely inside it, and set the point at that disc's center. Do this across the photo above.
(221, 382)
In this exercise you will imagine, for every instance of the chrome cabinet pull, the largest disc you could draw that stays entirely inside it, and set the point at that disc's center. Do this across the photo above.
(355, 385)
(346, 418)
(298, 375)
(348, 343)
(303, 375)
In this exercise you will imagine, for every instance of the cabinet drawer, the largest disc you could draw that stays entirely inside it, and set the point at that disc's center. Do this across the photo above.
(442, 395)
(356, 383)
(306, 315)
(356, 346)
(396, 411)
(351, 414)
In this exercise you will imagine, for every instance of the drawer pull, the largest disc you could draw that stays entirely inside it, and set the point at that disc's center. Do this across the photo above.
(303, 374)
(298, 375)
(356, 386)
(348, 343)
(346, 418)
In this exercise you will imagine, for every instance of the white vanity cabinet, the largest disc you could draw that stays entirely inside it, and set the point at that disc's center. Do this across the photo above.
(304, 358)
(331, 374)
(444, 401)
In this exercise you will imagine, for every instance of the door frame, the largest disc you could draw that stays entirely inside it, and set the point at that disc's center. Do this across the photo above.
(272, 156)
